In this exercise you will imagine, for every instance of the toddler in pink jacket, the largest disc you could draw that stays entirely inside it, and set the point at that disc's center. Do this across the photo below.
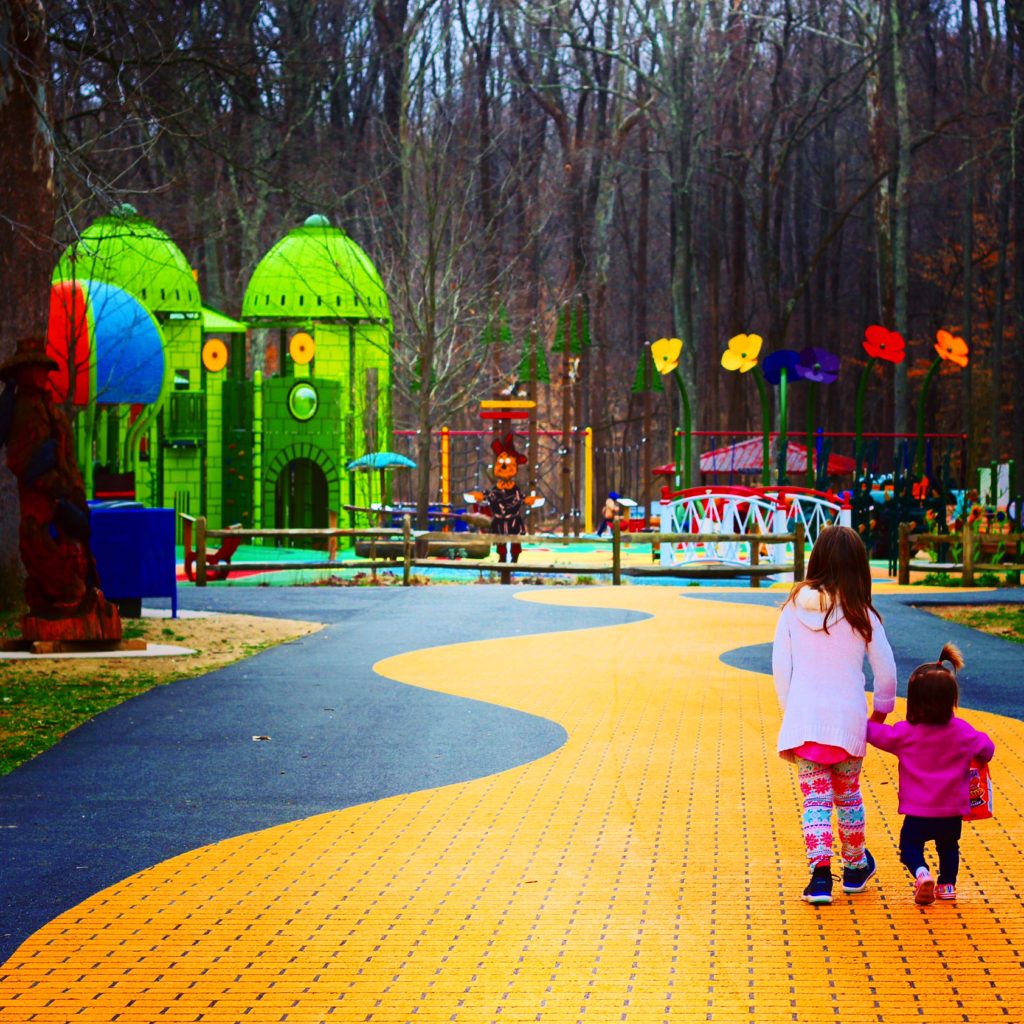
(827, 628)
(935, 750)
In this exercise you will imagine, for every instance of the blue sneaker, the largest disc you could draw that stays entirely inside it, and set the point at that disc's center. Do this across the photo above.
(856, 879)
(819, 888)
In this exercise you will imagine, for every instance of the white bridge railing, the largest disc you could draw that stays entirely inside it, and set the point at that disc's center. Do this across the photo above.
(812, 508)
(711, 510)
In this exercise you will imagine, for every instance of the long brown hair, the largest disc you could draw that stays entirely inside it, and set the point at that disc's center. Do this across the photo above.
(932, 691)
(838, 568)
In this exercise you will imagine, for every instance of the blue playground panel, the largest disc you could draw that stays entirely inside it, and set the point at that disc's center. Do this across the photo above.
(435, 513)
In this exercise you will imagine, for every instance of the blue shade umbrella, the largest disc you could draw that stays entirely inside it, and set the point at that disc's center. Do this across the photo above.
(381, 461)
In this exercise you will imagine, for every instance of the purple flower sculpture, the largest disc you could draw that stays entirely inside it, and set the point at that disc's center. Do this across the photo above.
(817, 365)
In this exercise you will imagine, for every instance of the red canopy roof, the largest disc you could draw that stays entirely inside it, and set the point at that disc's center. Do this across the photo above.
(745, 457)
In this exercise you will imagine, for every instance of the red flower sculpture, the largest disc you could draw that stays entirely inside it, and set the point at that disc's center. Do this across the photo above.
(881, 343)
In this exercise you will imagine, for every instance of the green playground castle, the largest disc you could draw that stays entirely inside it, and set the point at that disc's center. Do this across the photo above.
(256, 418)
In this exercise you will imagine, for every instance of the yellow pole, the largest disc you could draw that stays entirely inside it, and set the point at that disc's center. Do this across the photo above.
(588, 480)
(446, 496)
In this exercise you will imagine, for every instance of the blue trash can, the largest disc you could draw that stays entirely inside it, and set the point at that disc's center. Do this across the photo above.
(134, 551)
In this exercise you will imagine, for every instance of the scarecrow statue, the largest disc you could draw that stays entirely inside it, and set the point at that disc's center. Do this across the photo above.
(61, 588)
(505, 500)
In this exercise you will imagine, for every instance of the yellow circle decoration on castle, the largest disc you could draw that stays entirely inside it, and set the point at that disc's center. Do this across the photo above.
(302, 348)
(215, 355)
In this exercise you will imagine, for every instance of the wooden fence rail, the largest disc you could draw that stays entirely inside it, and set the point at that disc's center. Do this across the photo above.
(409, 559)
(972, 544)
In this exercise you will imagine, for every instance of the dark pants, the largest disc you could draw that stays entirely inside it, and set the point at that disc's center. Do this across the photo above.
(944, 832)
(509, 553)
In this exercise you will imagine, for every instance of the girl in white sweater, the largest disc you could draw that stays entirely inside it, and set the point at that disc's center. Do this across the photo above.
(827, 626)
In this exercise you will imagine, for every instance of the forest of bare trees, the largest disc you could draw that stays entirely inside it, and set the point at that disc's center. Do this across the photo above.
(796, 168)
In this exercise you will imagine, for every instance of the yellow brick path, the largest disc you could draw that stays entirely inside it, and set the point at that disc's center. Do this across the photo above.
(649, 870)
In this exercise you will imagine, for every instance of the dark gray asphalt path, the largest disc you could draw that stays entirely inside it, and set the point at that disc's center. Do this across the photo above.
(177, 768)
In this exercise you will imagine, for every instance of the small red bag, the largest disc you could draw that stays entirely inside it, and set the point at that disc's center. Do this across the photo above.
(981, 792)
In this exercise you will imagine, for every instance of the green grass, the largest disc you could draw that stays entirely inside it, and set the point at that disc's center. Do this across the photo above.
(38, 705)
(1004, 620)
(37, 708)
(985, 579)
(41, 701)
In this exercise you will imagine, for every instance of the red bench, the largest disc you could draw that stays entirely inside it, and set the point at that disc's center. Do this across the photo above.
(218, 563)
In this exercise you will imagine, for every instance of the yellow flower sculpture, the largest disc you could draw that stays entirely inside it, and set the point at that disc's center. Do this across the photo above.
(951, 348)
(742, 352)
(742, 355)
(665, 353)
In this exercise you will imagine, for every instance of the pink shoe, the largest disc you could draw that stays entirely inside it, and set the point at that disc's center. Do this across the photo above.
(945, 892)
(924, 889)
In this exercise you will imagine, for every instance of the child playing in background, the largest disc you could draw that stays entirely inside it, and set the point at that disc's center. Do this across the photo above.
(826, 628)
(935, 749)
(608, 513)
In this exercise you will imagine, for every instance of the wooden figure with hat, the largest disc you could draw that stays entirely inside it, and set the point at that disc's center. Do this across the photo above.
(61, 588)
(505, 500)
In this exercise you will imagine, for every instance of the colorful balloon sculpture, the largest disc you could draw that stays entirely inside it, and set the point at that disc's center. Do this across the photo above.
(108, 347)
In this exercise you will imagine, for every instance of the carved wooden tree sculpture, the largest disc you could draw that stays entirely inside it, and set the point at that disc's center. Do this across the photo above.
(62, 588)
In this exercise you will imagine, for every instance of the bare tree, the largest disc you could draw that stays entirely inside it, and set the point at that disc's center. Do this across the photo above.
(1015, 38)
(26, 223)
(442, 293)
(785, 168)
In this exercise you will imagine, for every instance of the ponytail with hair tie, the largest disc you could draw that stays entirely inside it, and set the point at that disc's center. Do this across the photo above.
(951, 653)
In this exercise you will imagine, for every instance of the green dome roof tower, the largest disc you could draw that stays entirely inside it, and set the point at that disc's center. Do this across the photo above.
(326, 358)
(131, 252)
(315, 272)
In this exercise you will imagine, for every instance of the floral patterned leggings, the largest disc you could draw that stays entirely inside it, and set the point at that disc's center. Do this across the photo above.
(825, 785)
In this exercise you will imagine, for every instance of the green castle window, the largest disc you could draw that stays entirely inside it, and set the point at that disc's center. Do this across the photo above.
(303, 401)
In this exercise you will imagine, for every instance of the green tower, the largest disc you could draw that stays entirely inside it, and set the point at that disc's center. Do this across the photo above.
(228, 462)
(321, 352)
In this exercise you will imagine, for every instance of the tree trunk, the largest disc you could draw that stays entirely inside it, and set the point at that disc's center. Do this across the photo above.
(967, 247)
(642, 243)
(1015, 31)
(878, 146)
(681, 163)
(737, 416)
(27, 212)
(901, 206)
(996, 450)
(389, 17)
(424, 446)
